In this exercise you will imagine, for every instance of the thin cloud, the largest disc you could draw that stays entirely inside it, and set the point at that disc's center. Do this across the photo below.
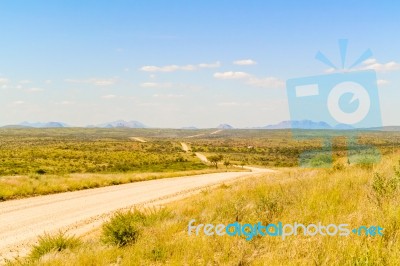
(173, 68)
(3, 81)
(35, 90)
(212, 65)
(65, 103)
(268, 82)
(170, 96)
(244, 62)
(383, 82)
(370, 64)
(231, 75)
(149, 104)
(169, 68)
(103, 82)
(94, 81)
(232, 104)
(330, 70)
(148, 84)
(109, 96)
(18, 102)
(381, 67)
(155, 85)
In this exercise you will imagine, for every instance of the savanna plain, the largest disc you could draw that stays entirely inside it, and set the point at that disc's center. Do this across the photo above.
(332, 188)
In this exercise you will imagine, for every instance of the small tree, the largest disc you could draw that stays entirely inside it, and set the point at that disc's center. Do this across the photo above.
(214, 159)
(227, 163)
(242, 164)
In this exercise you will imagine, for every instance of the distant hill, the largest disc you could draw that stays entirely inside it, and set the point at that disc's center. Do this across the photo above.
(40, 124)
(14, 126)
(389, 128)
(225, 126)
(343, 127)
(308, 124)
(121, 124)
(304, 124)
(295, 124)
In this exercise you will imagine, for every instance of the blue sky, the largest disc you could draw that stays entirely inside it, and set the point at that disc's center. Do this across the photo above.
(182, 63)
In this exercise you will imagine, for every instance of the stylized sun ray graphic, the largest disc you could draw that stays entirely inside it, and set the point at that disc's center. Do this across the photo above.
(321, 57)
(367, 54)
(343, 44)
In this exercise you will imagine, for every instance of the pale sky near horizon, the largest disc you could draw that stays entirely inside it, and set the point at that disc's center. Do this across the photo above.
(183, 63)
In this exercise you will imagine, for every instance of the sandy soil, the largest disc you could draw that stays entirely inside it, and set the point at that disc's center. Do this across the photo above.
(138, 139)
(216, 132)
(199, 135)
(202, 157)
(185, 147)
(22, 221)
(193, 136)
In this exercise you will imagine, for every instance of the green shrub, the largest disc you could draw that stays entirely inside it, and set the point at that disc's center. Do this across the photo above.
(338, 166)
(50, 243)
(366, 162)
(385, 186)
(123, 228)
(41, 172)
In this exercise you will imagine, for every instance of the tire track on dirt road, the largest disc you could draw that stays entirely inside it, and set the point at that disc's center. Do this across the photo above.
(23, 220)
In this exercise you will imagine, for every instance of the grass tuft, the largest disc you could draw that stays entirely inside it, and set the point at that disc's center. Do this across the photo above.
(53, 243)
(124, 228)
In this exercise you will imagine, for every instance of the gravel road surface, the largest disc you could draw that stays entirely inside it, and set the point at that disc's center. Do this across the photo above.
(79, 212)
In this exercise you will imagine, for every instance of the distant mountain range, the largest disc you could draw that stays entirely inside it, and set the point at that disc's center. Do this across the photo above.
(225, 126)
(303, 124)
(114, 124)
(41, 124)
(121, 124)
(306, 124)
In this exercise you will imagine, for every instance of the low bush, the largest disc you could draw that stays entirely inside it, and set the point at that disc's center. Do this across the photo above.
(53, 243)
(386, 186)
(124, 228)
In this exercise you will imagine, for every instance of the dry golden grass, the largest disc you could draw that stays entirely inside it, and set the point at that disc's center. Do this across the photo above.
(12, 187)
(305, 196)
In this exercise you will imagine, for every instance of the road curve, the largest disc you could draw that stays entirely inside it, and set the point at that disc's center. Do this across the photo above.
(22, 221)
(138, 139)
(199, 155)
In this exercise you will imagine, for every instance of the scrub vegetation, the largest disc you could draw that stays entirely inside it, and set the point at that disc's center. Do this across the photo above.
(354, 192)
(44, 161)
(345, 194)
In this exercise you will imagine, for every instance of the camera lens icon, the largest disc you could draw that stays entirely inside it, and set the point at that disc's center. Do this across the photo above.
(341, 100)
(337, 105)
(359, 97)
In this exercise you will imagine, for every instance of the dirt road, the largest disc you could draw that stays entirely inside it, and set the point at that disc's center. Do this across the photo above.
(185, 147)
(22, 221)
(138, 139)
(216, 132)
(203, 134)
(202, 157)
